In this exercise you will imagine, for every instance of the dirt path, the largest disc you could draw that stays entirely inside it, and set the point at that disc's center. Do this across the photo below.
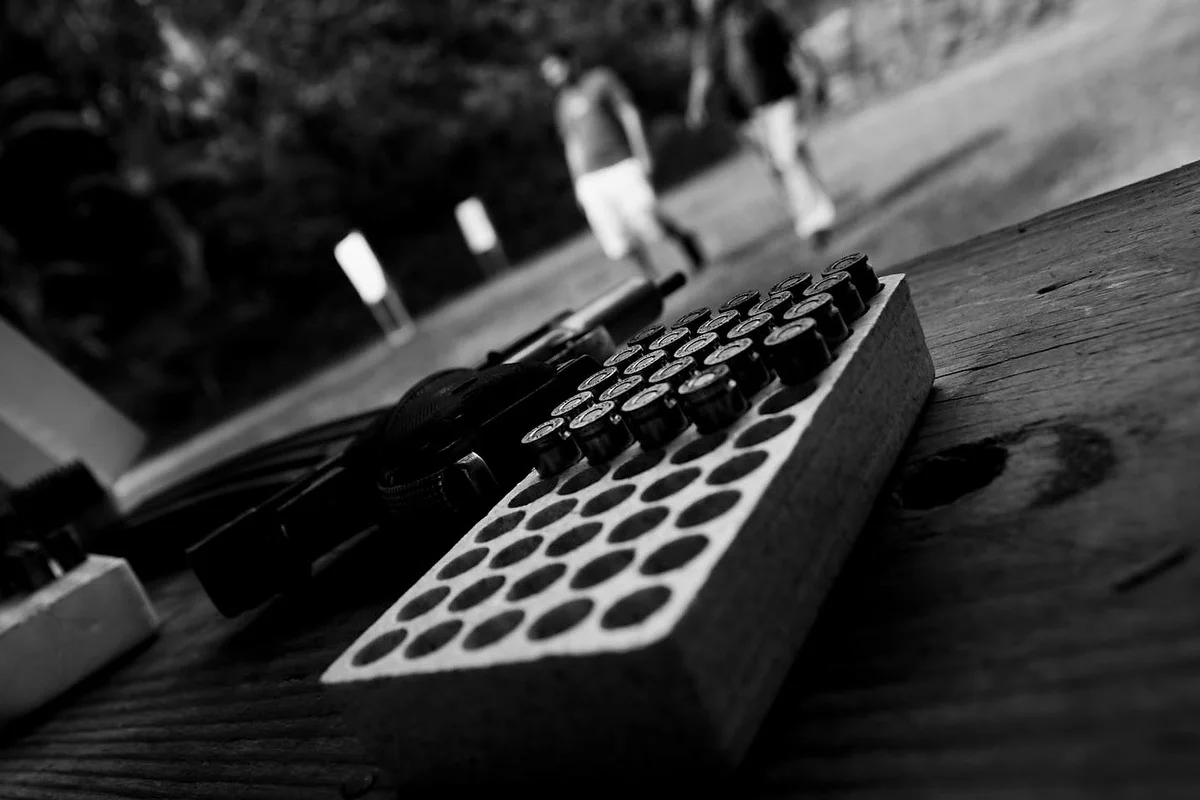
(1096, 101)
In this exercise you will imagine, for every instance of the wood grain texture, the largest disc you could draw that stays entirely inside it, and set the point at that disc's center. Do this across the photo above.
(972, 646)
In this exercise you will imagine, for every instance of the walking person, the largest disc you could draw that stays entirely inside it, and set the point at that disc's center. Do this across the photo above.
(745, 51)
(611, 163)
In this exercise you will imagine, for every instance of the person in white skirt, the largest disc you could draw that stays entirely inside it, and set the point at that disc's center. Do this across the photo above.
(611, 163)
(746, 51)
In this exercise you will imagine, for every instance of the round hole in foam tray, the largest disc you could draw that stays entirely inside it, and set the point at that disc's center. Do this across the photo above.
(635, 608)
(787, 397)
(533, 492)
(764, 430)
(537, 581)
(434, 639)
(638, 524)
(601, 569)
(477, 592)
(698, 448)
(423, 603)
(462, 563)
(737, 467)
(642, 462)
(561, 618)
(674, 554)
(669, 484)
(607, 500)
(573, 539)
(500, 526)
(583, 479)
(708, 508)
(493, 629)
(551, 514)
(516, 552)
(379, 647)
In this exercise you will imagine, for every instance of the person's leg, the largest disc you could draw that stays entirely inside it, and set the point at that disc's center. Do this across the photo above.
(684, 238)
(753, 135)
(645, 218)
(639, 254)
(633, 198)
(806, 170)
(812, 207)
(757, 133)
(601, 207)
(819, 223)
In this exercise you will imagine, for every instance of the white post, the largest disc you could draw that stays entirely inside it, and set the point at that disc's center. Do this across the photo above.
(481, 236)
(362, 267)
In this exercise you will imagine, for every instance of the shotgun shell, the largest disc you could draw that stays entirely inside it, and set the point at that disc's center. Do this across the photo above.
(845, 295)
(647, 363)
(748, 367)
(693, 319)
(741, 303)
(712, 399)
(552, 448)
(622, 390)
(653, 416)
(674, 373)
(797, 351)
(600, 381)
(755, 329)
(571, 407)
(699, 347)
(671, 340)
(600, 433)
(720, 324)
(645, 336)
(821, 309)
(775, 304)
(794, 285)
(859, 267)
(624, 356)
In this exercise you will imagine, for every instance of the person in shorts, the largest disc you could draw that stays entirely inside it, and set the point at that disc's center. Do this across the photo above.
(610, 163)
(745, 50)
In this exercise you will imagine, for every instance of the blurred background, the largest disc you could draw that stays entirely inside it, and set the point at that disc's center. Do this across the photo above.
(174, 174)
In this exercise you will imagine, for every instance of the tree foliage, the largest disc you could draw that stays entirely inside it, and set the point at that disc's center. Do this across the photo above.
(177, 172)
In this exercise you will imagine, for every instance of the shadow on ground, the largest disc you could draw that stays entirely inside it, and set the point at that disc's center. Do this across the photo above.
(854, 214)
(854, 210)
(970, 202)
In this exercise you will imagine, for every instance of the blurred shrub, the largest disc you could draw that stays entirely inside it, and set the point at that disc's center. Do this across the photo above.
(185, 167)
(875, 46)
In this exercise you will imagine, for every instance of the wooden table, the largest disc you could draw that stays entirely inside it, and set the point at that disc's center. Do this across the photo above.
(1020, 615)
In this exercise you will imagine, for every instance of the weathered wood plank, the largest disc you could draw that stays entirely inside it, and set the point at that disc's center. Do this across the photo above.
(1011, 662)
(971, 645)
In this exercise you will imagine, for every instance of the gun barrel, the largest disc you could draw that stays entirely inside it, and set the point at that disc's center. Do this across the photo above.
(622, 311)
(272, 546)
(626, 308)
(672, 284)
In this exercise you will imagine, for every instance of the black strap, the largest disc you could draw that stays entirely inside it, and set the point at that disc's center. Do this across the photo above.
(424, 455)
(450, 494)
